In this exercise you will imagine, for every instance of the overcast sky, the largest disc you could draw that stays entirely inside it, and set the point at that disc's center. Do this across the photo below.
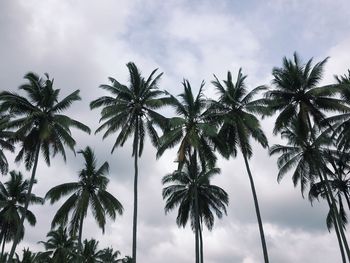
(81, 43)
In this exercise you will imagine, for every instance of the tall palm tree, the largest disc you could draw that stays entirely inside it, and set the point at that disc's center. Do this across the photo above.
(337, 170)
(59, 246)
(234, 111)
(307, 156)
(4, 143)
(296, 92)
(191, 128)
(90, 190)
(13, 195)
(132, 110)
(39, 125)
(197, 199)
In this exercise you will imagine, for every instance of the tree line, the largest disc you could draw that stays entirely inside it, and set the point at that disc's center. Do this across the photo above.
(313, 121)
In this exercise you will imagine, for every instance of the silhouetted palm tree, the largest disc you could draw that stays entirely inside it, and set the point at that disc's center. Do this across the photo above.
(90, 252)
(296, 94)
(108, 255)
(191, 128)
(196, 198)
(235, 112)
(337, 170)
(306, 155)
(59, 246)
(39, 125)
(90, 190)
(132, 111)
(13, 194)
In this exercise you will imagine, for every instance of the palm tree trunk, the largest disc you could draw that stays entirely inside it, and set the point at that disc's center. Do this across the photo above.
(30, 187)
(196, 224)
(134, 228)
(80, 246)
(201, 240)
(3, 240)
(336, 218)
(257, 210)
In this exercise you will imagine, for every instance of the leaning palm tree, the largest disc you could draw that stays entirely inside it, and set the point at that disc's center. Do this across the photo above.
(191, 128)
(13, 194)
(307, 156)
(90, 190)
(4, 143)
(39, 125)
(337, 170)
(234, 111)
(132, 111)
(59, 246)
(197, 199)
(296, 92)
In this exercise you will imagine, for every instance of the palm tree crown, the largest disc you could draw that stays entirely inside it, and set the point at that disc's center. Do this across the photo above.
(13, 194)
(191, 129)
(4, 143)
(90, 190)
(296, 92)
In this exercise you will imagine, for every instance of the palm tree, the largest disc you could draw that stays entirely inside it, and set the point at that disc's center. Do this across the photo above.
(339, 180)
(4, 143)
(196, 198)
(296, 92)
(90, 253)
(13, 195)
(307, 156)
(234, 111)
(59, 246)
(191, 128)
(108, 255)
(90, 190)
(132, 110)
(39, 125)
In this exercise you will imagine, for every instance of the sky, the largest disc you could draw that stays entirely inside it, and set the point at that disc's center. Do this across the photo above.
(81, 43)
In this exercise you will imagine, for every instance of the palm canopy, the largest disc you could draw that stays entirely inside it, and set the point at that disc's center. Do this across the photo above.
(341, 122)
(296, 92)
(38, 120)
(90, 252)
(89, 191)
(4, 143)
(132, 110)
(184, 184)
(13, 194)
(191, 128)
(60, 246)
(304, 155)
(108, 255)
(234, 111)
(337, 169)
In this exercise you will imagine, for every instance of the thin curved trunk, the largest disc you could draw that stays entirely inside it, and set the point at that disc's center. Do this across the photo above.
(336, 218)
(80, 246)
(30, 187)
(196, 224)
(201, 240)
(257, 210)
(134, 228)
(3, 240)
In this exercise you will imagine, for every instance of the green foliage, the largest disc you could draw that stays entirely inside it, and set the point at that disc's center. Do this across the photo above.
(191, 128)
(13, 194)
(89, 191)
